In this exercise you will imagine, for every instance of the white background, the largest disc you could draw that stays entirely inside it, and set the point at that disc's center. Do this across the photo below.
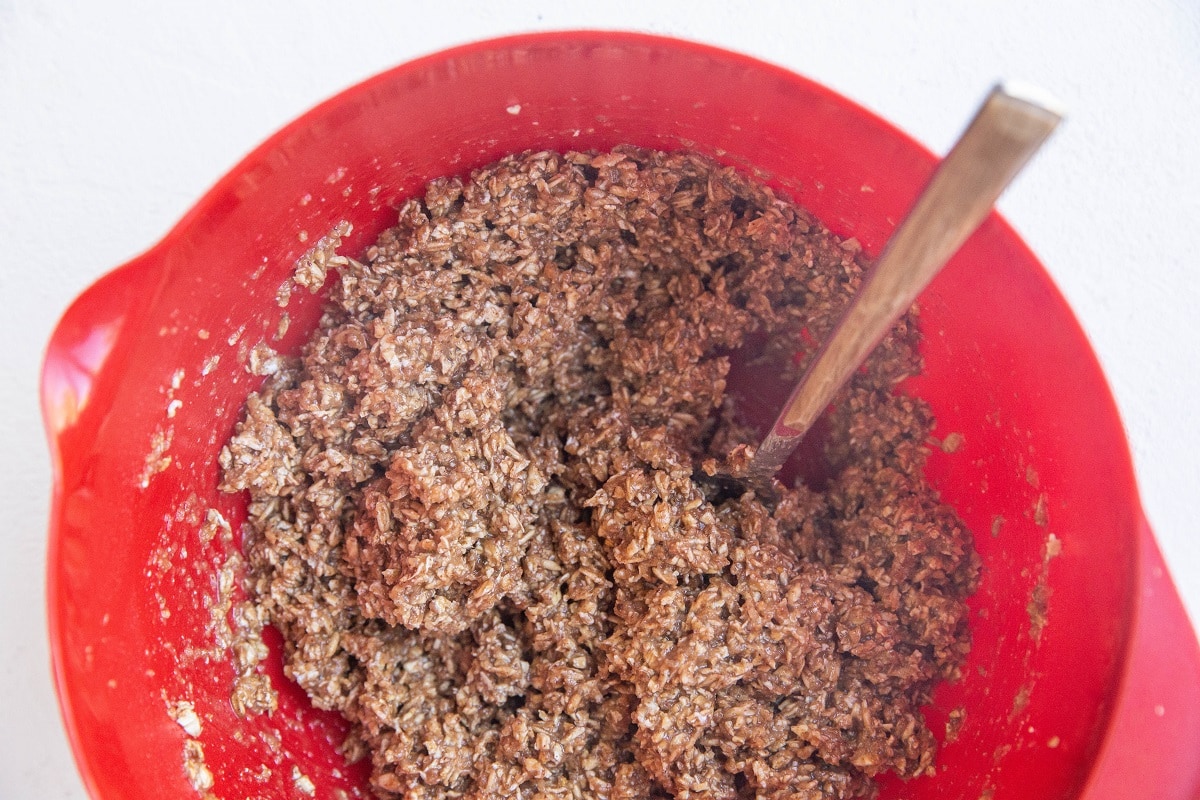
(115, 117)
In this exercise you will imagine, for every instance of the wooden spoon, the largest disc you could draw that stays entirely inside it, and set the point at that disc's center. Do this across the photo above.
(1007, 130)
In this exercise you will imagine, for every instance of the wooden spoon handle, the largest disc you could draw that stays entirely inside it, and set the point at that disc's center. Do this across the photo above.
(1007, 130)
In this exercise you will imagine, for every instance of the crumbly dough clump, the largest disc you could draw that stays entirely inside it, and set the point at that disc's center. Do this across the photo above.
(473, 518)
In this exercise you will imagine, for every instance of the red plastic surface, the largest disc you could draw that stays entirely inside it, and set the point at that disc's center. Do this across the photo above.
(1152, 752)
(147, 366)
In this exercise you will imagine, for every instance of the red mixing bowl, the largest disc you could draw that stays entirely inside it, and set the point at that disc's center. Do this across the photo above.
(144, 380)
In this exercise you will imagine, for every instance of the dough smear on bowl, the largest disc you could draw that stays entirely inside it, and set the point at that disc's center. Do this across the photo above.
(473, 519)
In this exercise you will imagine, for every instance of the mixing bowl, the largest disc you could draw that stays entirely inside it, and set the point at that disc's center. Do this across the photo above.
(1084, 676)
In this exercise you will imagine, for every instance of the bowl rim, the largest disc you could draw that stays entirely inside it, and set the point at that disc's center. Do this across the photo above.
(136, 270)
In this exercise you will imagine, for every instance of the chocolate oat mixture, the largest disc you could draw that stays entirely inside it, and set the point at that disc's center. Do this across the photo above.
(473, 518)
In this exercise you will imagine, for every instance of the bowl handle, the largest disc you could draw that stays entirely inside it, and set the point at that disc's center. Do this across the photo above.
(1152, 749)
(92, 332)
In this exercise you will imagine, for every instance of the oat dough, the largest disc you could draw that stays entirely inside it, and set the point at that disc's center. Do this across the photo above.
(473, 520)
